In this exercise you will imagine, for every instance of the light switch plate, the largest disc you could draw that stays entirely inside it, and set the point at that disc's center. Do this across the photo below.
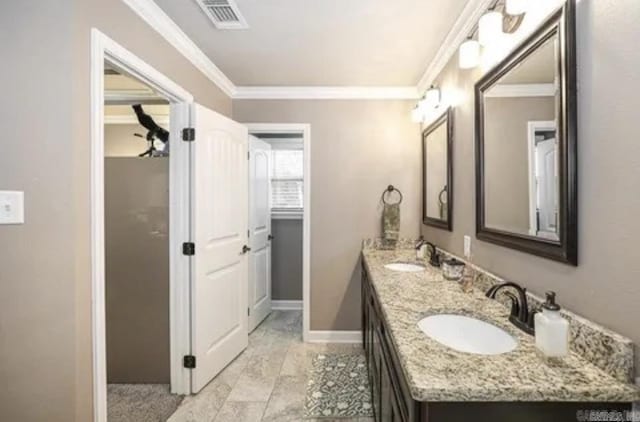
(11, 207)
(467, 247)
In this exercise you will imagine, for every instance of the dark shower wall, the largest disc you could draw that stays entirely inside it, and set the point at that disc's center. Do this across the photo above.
(137, 269)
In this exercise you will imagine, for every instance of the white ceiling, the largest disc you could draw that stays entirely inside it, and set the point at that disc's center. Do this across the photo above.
(323, 42)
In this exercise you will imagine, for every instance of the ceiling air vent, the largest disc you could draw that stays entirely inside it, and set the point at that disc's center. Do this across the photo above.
(224, 14)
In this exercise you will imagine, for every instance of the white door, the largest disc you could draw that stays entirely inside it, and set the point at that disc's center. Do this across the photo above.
(219, 229)
(259, 231)
(547, 186)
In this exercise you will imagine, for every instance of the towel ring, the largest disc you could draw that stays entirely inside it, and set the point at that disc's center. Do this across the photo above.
(440, 195)
(388, 191)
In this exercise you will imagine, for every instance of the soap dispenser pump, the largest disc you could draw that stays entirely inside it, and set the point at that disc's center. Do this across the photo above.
(551, 329)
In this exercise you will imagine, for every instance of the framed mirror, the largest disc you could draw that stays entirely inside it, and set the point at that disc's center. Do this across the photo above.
(526, 145)
(437, 172)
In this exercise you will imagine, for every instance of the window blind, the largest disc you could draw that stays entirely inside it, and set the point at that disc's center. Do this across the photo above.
(286, 179)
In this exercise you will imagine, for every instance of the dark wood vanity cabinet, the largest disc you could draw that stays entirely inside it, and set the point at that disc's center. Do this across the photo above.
(392, 400)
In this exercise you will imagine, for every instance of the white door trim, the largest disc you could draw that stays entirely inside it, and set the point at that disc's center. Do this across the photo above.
(104, 48)
(532, 127)
(305, 129)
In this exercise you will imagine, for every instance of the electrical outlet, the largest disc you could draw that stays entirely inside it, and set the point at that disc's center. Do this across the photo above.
(467, 247)
(11, 207)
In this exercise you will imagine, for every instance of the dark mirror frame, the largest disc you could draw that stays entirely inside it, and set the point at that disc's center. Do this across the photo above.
(445, 118)
(562, 24)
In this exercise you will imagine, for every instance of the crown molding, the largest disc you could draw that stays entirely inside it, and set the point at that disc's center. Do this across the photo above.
(129, 119)
(155, 17)
(127, 97)
(460, 30)
(521, 90)
(326, 93)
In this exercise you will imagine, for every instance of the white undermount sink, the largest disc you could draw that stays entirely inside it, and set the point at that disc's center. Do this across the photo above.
(405, 267)
(467, 334)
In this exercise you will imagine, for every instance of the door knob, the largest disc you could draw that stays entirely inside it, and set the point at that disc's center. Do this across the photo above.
(270, 237)
(245, 249)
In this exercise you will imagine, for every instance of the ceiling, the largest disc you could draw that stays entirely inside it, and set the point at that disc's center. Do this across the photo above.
(323, 42)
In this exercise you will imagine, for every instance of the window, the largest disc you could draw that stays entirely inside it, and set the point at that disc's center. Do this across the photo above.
(287, 180)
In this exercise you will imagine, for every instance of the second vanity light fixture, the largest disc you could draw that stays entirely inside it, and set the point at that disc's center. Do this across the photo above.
(504, 16)
(430, 101)
(491, 28)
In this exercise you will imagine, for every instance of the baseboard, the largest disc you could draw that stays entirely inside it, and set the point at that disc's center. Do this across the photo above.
(286, 305)
(334, 337)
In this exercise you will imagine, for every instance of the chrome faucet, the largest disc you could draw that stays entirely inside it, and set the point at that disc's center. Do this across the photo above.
(520, 316)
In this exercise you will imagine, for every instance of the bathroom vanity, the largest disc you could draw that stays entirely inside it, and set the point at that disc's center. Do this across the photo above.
(415, 378)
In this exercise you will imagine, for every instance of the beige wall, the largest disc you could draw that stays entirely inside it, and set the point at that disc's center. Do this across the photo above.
(286, 259)
(357, 149)
(137, 269)
(604, 287)
(45, 282)
(506, 149)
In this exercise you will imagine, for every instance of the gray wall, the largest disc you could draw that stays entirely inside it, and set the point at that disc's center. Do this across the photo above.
(604, 287)
(45, 279)
(357, 149)
(137, 270)
(286, 259)
(506, 152)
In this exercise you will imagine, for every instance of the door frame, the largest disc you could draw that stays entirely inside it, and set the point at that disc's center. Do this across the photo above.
(104, 49)
(532, 127)
(305, 130)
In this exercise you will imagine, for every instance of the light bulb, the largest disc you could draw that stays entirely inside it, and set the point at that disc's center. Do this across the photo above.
(416, 114)
(490, 28)
(469, 54)
(432, 97)
(516, 7)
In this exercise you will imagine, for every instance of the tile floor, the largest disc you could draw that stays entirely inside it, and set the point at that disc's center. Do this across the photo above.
(267, 382)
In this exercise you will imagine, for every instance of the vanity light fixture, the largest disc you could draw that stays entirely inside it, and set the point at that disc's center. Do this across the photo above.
(469, 54)
(417, 115)
(490, 27)
(430, 101)
(432, 97)
(515, 7)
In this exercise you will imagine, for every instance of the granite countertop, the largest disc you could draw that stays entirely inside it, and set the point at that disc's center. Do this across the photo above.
(435, 372)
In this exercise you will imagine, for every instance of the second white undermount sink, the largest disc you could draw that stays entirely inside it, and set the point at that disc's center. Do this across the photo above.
(406, 267)
(467, 334)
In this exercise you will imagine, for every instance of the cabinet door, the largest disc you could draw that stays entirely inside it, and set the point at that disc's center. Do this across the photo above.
(375, 371)
(396, 415)
(386, 393)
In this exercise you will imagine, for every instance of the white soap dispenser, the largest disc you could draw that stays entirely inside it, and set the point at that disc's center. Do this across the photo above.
(552, 330)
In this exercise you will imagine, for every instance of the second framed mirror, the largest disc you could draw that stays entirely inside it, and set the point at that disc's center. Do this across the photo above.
(437, 172)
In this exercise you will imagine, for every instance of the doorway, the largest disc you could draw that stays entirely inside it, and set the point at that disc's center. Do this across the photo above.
(290, 224)
(136, 215)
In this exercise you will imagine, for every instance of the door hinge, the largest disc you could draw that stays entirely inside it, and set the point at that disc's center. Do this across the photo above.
(248, 155)
(188, 134)
(189, 361)
(248, 311)
(188, 248)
